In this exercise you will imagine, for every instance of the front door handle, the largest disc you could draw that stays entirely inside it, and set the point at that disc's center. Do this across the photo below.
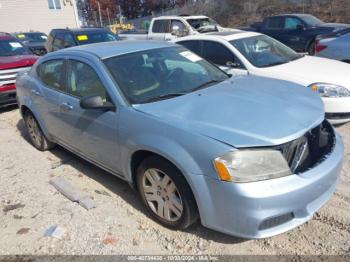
(66, 106)
(35, 92)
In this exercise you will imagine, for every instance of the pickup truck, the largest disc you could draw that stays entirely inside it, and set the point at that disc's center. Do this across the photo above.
(298, 31)
(168, 28)
(14, 57)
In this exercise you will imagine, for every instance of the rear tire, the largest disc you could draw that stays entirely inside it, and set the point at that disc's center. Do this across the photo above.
(166, 193)
(36, 135)
(311, 48)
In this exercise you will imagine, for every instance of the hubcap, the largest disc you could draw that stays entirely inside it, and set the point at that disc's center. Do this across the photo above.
(34, 130)
(162, 195)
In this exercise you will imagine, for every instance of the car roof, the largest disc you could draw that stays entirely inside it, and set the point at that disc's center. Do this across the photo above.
(6, 36)
(181, 16)
(227, 35)
(114, 48)
(79, 30)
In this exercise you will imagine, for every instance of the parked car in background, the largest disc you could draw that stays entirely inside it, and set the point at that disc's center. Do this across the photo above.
(14, 57)
(334, 46)
(298, 31)
(251, 156)
(35, 41)
(171, 27)
(64, 38)
(252, 53)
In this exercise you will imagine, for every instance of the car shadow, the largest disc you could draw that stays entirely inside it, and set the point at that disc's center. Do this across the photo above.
(9, 108)
(123, 189)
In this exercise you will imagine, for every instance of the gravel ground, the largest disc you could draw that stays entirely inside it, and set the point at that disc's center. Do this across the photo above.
(119, 224)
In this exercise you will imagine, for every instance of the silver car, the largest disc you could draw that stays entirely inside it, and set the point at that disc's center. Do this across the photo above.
(250, 156)
(334, 46)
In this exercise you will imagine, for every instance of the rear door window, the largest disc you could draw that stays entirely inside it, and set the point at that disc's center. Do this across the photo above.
(161, 26)
(275, 23)
(51, 74)
(58, 42)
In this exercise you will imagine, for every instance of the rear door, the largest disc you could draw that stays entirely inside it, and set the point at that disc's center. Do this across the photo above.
(92, 133)
(50, 80)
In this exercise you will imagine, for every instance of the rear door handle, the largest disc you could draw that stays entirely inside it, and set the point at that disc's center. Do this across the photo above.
(35, 92)
(66, 106)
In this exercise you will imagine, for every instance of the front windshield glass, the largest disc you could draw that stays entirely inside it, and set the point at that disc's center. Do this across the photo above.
(12, 47)
(32, 37)
(264, 51)
(162, 73)
(95, 37)
(200, 23)
(311, 20)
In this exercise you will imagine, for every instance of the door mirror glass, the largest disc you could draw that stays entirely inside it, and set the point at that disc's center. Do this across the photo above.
(96, 102)
(231, 64)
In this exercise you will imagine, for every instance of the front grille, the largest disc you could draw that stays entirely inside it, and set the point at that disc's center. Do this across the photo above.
(309, 150)
(8, 76)
(38, 50)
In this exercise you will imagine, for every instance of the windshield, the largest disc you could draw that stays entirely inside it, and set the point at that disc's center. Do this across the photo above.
(157, 74)
(12, 47)
(198, 24)
(95, 37)
(263, 51)
(311, 20)
(32, 37)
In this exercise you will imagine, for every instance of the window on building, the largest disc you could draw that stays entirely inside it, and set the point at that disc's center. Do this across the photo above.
(54, 4)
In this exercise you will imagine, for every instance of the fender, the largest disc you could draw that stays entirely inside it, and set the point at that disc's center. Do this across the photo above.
(169, 149)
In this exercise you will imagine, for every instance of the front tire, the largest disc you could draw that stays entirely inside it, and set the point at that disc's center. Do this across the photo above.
(166, 193)
(36, 135)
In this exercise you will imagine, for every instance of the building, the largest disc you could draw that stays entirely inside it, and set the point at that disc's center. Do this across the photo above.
(37, 15)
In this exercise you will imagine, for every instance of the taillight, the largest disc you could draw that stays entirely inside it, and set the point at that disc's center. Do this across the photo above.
(319, 47)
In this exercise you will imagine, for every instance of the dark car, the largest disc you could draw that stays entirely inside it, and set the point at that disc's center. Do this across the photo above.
(35, 41)
(298, 31)
(64, 38)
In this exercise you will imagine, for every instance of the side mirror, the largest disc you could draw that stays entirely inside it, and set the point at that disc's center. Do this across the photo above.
(231, 64)
(96, 102)
(300, 27)
(176, 31)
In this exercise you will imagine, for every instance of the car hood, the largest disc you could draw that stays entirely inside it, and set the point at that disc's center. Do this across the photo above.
(309, 70)
(243, 111)
(7, 62)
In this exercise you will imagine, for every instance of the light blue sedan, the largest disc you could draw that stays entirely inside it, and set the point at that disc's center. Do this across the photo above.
(251, 157)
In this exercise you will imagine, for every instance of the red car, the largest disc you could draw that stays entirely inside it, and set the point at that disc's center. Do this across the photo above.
(14, 57)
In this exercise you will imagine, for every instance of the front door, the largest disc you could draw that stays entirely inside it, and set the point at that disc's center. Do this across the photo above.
(90, 132)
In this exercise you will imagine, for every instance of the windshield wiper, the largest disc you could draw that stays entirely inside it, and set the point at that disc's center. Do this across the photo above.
(164, 96)
(206, 84)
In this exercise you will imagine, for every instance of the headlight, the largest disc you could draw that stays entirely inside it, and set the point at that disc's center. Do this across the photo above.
(330, 90)
(251, 165)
